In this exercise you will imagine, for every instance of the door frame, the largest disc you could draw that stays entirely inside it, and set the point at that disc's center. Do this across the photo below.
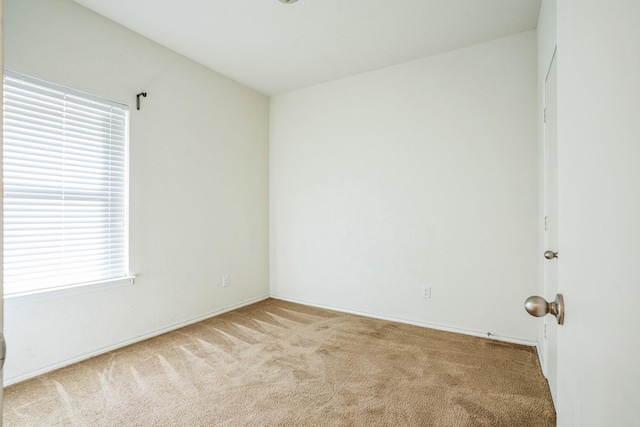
(547, 320)
(1, 234)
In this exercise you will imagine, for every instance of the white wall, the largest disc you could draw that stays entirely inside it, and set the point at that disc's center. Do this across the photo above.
(421, 173)
(198, 190)
(599, 212)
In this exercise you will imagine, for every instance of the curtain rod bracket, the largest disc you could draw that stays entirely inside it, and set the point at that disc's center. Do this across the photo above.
(138, 99)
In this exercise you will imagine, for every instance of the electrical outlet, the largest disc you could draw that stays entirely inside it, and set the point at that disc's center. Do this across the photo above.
(426, 292)
(226, 281)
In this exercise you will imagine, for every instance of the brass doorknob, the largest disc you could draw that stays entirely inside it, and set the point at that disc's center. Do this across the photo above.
(550, 255)
(539, 307)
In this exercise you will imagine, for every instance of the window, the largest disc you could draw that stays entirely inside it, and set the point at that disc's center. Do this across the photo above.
(65, 187)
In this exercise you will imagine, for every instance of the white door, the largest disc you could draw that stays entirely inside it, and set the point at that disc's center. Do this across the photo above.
(550, 334)
(598, 378)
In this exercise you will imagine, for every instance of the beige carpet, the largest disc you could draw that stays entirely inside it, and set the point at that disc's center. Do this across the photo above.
(281, 364)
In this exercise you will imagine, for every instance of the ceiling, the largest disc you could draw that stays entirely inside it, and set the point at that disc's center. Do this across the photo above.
(274, 47)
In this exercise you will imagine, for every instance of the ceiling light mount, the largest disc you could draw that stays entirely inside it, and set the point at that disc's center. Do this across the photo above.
(288, 1)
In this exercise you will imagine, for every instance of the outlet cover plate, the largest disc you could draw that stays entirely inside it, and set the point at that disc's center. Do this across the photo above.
(426, 292)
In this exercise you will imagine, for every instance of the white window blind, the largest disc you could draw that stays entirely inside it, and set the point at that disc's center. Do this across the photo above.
(65, 187)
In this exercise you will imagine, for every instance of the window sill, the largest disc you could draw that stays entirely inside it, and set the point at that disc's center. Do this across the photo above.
(44, 294)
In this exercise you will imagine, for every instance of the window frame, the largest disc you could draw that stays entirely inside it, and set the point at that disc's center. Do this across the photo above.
(99, 283)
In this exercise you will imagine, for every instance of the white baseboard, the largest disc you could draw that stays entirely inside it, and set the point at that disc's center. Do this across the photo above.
(413, 322)
(543, 365)
(28, 375)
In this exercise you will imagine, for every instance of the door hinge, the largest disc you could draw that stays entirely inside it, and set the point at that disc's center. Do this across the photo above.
(544, 115)
(545, 222)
